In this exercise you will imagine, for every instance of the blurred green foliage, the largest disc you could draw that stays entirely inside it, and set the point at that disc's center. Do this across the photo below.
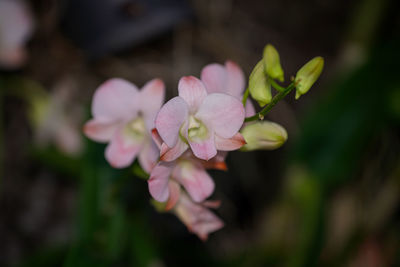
(337, 136)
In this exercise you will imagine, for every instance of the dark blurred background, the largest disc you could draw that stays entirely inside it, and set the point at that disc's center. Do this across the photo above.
(329, 197)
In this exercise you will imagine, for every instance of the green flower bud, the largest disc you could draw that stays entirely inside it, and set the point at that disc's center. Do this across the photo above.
(259, 87)
(307, 75)
(272, 63)
(263, 135)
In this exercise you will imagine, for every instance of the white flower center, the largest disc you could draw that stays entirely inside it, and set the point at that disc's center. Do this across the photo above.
(196, 129)
(136, 128)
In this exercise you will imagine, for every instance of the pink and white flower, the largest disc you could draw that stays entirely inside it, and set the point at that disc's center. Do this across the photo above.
(124, 117)
(228, 79)
(188, 171)
(204, 122)
(16, 26)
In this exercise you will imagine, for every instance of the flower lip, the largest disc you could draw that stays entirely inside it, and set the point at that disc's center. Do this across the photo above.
(136, 127)
(196, 129)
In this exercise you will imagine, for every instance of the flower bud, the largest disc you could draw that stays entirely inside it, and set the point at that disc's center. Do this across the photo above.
(263, 135)
(259, 87)
(307, 75)
(272, 63)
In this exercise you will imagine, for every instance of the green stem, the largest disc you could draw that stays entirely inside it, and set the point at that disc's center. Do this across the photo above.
(277, 86)
(278, 97)
(245, 96)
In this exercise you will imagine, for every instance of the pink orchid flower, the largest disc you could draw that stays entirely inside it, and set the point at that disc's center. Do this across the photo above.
(16, 26)
(204, 122)
(124, 117)
(188, 171)
(197, 217)
(228, 79)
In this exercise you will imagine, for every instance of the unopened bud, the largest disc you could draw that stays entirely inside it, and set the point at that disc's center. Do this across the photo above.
(259, 87)
(307, 75)
(272, 63)
(263, 135)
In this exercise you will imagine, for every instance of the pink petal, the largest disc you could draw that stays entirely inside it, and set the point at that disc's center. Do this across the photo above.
(215, 164)
(229, 144)
(223, 112)
(249, 109)
(214, 78)
(115, 99)
(156, 138)
(68, 139)
(192, 91)
(100, 131)
(122, 150)
(151, 99)
(170, 118)
(197, 218)
(170, 154)
(212, 204)
(235, 79)
(174, 194)
(148, 156)
(12, 58)
(206, 223)
(158, 181)
(228, 79)
(221, 156)
(204, 149)
(194, 179)
(16, 24)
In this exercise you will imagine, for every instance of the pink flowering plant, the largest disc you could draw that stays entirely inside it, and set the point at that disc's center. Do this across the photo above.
(176, 142)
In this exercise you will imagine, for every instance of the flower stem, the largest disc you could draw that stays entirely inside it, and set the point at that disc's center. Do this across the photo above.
(277, 86)
(278, 97)
(245, 96)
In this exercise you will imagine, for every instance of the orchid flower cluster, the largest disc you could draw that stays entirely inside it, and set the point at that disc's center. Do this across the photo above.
(176, 142)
